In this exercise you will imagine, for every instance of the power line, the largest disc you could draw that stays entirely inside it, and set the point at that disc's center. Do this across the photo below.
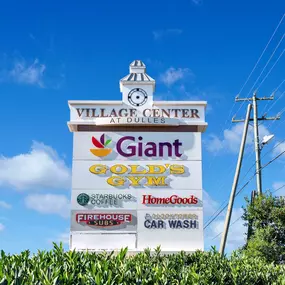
(280, 22)
(241, 216)
(230, 226)
(281, 121)
(268, 61)
(262, 53)
(255, 119)
(214, 218)
(282, 94)
(214, 214)
(225, 201)
(258, 168)
(241, 189)
(249, 76)
(222, 128)
(273, 93)
(278, 188)
(241, 180)
(270, 69)
(274, 147)
(272, 160)
(275, 90)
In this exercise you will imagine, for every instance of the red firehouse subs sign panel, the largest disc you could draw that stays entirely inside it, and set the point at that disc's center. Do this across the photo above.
(137, 170)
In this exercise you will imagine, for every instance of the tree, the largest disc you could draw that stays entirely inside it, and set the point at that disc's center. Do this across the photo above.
(267, 216)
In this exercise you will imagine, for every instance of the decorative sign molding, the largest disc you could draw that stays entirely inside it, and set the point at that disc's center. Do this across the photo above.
(102, 114)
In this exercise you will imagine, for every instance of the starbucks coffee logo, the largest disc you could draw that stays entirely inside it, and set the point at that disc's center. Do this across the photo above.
(83, 199)
(104, 200)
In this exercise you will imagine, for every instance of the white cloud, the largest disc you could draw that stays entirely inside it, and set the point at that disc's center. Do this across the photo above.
(2, 227)
(213, 232)
(209, 204)
(41, 168)
(62, 237)
(197, 2)
(209, 108)
(32, 36)
(236, 236)
(279, 188)
(5, 205)
(172, 75)
(26, 73)
(49, 204)
(158, 34)
(279, 148)
(214, 144)
(231, 140)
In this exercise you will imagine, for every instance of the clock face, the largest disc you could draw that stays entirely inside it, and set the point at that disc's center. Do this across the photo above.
(137, 97)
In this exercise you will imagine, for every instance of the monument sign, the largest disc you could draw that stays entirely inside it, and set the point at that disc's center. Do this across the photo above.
(137, 170)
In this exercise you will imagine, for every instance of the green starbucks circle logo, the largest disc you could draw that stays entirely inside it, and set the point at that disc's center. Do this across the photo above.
(83, 199)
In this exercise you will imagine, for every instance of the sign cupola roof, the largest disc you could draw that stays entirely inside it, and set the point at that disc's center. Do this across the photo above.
(137, 75)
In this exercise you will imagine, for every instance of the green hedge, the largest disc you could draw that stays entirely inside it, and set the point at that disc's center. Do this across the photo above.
(59, 267)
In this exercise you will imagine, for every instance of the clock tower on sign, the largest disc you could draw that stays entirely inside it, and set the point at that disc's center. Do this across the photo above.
(137, 87)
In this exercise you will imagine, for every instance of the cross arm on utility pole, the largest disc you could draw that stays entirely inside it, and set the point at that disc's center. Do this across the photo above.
(263, 118)
(237, 99)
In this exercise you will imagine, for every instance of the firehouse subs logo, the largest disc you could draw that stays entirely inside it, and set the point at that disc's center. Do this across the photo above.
(172, 221)
(103, 220)
(137, 176)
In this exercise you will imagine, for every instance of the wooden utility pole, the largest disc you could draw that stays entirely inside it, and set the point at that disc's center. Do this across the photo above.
(257, 147)
(235, 183)
(249, 230)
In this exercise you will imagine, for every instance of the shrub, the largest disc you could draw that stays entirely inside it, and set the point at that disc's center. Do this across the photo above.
(70, 267)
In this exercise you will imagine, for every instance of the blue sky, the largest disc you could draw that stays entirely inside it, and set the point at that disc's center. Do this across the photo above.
(55, 51)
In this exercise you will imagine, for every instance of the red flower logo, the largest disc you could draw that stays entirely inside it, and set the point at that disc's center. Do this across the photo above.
(101, 149)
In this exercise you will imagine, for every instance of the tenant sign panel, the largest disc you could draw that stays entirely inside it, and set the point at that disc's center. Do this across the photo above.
(103, 199)
(175, 230)
(169, 199)
(137, 175)
(103, 221)
(128, 146)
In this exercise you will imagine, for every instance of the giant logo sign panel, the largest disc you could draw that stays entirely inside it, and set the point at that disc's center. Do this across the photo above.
(137, 175)
(170, 199)
(137, 146)
(104, 199)
(101, 220)
(171, 229)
